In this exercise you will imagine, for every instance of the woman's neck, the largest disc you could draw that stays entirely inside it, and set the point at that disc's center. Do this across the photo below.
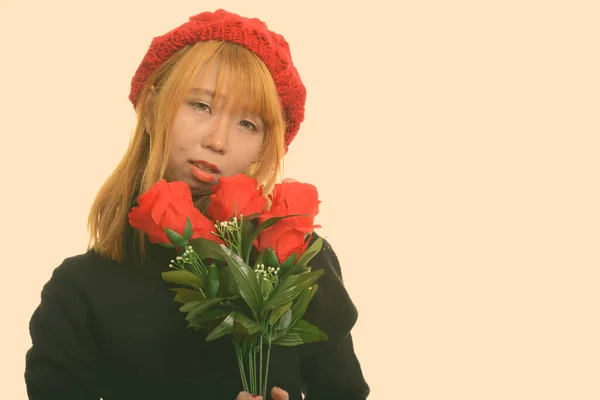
(201, 202)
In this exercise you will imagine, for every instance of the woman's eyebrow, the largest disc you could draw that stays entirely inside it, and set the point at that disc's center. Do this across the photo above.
(203, 91)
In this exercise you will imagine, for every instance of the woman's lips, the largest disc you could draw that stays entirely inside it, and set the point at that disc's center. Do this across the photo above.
(206, 165)
(202, 173)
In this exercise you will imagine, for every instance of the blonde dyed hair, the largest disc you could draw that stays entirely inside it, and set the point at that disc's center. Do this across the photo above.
(248, 84)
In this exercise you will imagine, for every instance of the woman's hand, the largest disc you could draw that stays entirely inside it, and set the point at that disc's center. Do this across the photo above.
(276, 393)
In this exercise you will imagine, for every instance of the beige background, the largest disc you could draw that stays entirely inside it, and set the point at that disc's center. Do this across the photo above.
(455, 146)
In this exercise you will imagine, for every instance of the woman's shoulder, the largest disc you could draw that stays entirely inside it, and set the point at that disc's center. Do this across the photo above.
(86, 270)
(332, 308)
(86, 263)
(326, 258)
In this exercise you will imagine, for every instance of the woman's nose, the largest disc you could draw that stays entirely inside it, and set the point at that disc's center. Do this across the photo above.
(217, 137)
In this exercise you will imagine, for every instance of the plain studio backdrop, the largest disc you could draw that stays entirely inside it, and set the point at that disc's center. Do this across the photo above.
(454, 145)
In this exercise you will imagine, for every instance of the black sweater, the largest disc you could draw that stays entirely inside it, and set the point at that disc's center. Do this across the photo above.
(112, 330)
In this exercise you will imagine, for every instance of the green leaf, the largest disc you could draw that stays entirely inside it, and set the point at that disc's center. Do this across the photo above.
(187, 295)
(183, 278)
(267, 287)
(188, 232)
(175, 238)
(189, 306)
(315, 287)
(272, 259)
(299, 307)
(310, 253)
(246, 281)
(303, 332)
(285, 320)
(247, 227)
(277, 312)
(261, 257)
(224, 328)
(213, 280)
(214, 313)
(209, 319)
(207, 325)
(290, 287)
(167, 245)
(227, 285)
(302, 264)
(289, 261)
(193, 308)
(244, 326)
(206, 248)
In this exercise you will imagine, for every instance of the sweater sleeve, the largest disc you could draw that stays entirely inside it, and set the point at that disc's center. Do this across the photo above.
(62, 360)
(331, 369)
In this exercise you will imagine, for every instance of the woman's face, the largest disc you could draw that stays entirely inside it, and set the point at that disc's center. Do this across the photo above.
(209, 141)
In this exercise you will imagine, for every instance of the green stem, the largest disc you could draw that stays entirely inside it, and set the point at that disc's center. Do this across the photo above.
(242, 373)
(256, 388)
(253, 371)
(267, 372)
(239, 243)
(261, 367)
(199, 266)
(241, 366)
(250, 371)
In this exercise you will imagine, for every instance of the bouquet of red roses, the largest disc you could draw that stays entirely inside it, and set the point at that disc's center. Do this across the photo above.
(243, 269)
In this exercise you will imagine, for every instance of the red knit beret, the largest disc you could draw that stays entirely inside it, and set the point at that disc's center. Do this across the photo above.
(251, 33)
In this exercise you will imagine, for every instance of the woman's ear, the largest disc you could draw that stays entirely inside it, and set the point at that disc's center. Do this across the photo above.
(149, 109)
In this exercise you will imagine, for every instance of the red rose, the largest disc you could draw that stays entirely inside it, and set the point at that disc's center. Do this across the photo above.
(168, 205)
(240, 190)
(289, 235)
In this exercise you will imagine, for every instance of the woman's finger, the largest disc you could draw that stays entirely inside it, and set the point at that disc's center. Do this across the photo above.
(279, 394)
(248, 396)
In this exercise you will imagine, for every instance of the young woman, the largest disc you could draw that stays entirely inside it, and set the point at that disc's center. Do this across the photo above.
(217, 96)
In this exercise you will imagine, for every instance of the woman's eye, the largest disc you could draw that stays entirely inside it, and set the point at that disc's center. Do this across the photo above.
(248, 125)
(198, 106)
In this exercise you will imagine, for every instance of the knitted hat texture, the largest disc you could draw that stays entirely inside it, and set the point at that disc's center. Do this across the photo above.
(251, 33)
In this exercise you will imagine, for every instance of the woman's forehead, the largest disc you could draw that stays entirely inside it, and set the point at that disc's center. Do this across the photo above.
(212, 79)
(230, 84)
